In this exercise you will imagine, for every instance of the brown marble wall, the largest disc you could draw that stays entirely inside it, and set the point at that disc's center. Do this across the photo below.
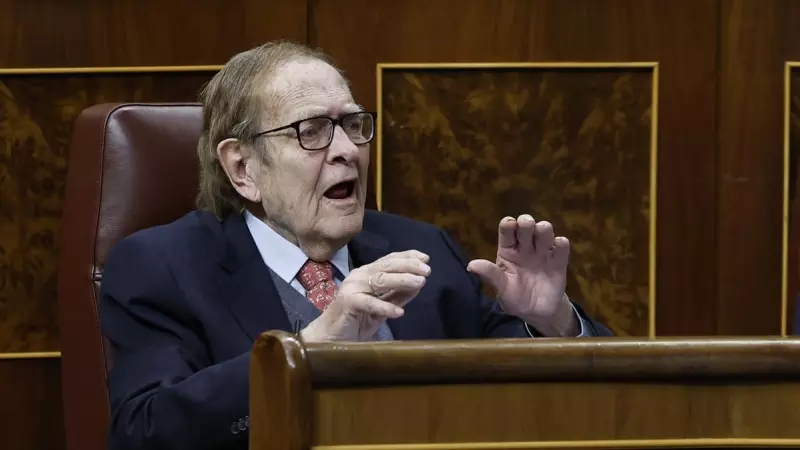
(463, 148)
(36, 116)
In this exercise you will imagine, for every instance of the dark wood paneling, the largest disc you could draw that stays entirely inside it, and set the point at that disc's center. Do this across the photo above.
(757, 39)
(49, 33)
(719, 205)
(85, 33)
(36, 113)
(750, 176)
(580, 412)
(30, 404)
(681, 35)
(784, 33)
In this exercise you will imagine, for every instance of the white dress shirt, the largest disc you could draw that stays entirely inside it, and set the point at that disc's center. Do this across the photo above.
(285, 258)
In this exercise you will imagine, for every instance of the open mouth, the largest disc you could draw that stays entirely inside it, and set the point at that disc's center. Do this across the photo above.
(341, 191)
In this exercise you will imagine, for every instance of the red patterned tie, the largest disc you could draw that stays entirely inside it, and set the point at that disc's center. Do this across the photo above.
(317, 279)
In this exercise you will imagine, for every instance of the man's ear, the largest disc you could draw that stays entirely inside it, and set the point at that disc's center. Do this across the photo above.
(241, 165)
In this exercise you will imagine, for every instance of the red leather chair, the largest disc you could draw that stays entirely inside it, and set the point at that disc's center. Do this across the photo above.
(131, 166)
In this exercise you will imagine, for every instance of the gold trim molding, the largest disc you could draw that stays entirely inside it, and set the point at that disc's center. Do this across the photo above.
(787, 101)
(30, 355)
(596, 444)
(654, 66)
(91, 71)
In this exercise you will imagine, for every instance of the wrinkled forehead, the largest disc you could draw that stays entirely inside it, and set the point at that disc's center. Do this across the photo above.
(306, 88)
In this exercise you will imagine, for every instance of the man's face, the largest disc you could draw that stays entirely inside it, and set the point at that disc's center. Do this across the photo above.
(315, 197)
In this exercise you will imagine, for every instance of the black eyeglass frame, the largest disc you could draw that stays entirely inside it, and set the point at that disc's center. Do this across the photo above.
(334, 123)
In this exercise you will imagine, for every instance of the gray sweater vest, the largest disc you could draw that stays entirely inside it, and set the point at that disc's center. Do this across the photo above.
(301, 311)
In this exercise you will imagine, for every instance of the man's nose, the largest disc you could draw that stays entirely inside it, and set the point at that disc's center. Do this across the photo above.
(341, 148)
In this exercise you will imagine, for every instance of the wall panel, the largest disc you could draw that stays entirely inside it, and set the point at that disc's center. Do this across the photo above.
(720, 133)
(787, 38)
(35, 134)
(54, 33)
(35, 120)
(466, 145)
(758, 39)
(750, 177)
(36, 113)
(792, 226)
(30, 404)
(680, 35)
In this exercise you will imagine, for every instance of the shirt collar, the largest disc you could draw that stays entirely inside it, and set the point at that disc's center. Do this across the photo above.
(283, 257)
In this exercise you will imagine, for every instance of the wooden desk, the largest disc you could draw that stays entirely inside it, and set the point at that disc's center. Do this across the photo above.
(524, 394)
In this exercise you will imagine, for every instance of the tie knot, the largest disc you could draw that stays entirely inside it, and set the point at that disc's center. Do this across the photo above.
(313, 273)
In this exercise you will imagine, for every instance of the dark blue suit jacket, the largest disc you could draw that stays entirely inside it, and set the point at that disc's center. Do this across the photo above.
(182, 304)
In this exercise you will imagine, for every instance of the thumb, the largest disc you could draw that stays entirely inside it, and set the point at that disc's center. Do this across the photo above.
(489, 272)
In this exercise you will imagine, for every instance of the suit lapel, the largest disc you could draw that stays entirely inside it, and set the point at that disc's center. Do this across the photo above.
(367, 247)
(254, 300)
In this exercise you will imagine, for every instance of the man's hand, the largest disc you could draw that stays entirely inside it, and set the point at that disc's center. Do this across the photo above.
(368, 296)
(530, 275)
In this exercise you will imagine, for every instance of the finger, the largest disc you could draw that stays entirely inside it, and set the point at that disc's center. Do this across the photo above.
(489, 272)
(407, 265)
(383, 283)
(543, 237)
(375, 307)
(507, 231)
(560, 251)
(407, 254)
(525, 227)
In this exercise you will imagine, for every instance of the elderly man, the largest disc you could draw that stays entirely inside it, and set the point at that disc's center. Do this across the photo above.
(281, 240)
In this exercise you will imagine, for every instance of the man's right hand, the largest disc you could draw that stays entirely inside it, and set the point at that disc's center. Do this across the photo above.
(371, 294)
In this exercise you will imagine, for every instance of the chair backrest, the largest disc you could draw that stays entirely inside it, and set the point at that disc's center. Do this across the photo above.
(131, 166)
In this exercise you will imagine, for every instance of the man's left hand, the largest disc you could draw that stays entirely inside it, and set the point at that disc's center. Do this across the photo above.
(530, 275)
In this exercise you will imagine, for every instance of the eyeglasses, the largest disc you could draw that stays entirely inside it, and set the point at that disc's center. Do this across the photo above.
(316, 133)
